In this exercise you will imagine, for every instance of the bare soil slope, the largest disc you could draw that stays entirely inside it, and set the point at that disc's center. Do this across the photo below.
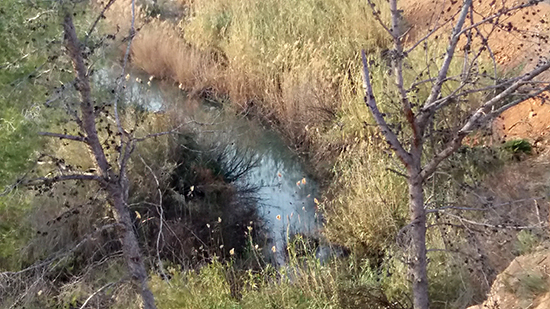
(524, 284)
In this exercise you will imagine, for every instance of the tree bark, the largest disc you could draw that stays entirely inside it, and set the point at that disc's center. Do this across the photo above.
(418, 261)
(130, 244)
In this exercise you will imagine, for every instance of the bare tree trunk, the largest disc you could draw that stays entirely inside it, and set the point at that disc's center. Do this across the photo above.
(422, 117)
(130, 245)
(418, 261)
(115, 184)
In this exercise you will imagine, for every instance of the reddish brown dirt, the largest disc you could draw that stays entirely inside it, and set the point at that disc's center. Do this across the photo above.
(530, 119)
(517, 50)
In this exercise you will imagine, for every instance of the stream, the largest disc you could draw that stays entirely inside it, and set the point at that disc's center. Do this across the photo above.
(286, 195)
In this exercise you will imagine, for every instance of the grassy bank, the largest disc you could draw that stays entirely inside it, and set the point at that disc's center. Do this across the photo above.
(295, 66)
(288, 62)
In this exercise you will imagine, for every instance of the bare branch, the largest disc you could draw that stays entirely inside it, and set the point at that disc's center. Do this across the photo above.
(441, 209)
(397, 59)
(495, 226)
(436, 89)
(152, 135)
(125, 154)
(82, 84)
(160, 211)
(127, 147)
(396, 172)
(62, 254)
(370, 101)
(501, 12)
(484, 109)
(105, 8)
(39, 15)
(64, 136)
(376, 15)
(440, 250)
(124, 64)
(489, 206)
(49, 180)
(500, 110)
(427, 36)
(99, 290)
(13, 186)
(436, 27)
(483, 114)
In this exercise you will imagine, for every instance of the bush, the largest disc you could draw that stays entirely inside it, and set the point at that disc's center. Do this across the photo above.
(518, 146)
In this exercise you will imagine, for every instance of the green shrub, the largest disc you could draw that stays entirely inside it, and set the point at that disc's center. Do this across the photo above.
(526, 242)
(518, 146)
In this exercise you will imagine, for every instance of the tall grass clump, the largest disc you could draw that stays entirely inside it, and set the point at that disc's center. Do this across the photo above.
(370, 201)
(289, 57)
(303, 283)
(284, 61)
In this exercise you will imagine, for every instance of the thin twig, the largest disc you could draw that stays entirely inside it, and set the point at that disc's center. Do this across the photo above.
(99, 290)
(48, 180)
(160, 211)
(152, 135)
(489, 207)
(64, 136)
(107, 6)
(370, 101)
(496, 226)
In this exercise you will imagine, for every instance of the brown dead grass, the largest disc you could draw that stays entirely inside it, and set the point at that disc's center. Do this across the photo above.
(160, 52)
(292, 83)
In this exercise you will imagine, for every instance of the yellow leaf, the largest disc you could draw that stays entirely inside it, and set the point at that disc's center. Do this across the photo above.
(138, 215)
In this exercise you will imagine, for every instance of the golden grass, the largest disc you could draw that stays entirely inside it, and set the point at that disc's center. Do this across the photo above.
(285, 60)
(159, 51)
(370, 202)
(297, 64)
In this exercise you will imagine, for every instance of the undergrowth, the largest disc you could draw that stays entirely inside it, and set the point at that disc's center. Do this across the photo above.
(294, 64)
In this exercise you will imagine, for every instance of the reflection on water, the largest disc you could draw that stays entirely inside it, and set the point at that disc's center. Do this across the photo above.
(286, 195)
